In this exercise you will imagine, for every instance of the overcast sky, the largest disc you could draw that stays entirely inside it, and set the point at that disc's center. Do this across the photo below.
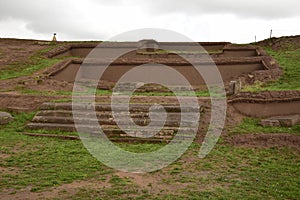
(201, 20)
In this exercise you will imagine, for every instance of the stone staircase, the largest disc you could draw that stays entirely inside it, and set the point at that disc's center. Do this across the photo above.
(60, 117)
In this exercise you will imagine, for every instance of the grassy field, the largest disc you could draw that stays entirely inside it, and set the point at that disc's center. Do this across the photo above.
(38, 165)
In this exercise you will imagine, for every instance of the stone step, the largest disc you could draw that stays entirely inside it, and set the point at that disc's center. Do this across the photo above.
(122, 139)
(111, 131)
(59, 116)
(111, 121)
(99, 114)
(120, 107)
(91, 128)
(108, 114)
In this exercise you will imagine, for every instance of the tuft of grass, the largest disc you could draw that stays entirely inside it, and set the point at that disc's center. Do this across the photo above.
(64, 100)
(25, 90)
(140, 147)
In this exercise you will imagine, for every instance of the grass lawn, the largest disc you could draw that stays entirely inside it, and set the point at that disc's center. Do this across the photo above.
(41, 164)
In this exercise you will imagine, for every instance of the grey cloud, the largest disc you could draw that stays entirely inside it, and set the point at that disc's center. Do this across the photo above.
(48, 16)
(249, 8)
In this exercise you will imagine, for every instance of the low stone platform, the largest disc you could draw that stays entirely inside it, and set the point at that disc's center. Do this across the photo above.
(285, 121)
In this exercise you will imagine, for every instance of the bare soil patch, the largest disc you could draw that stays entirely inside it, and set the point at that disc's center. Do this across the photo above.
(9, 170)
(281, 43)
(266, 140)
(61, 192)
(15, 50)
(20, 103)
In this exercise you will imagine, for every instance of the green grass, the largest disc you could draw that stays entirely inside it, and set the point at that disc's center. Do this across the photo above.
(251, 125)
(100, 92)
(64, 100)
(199, 93)
(140, 147)
(289, 59)
(34, 63)
(24, 90)
(43, 162)
(228, 172)
(251, 173)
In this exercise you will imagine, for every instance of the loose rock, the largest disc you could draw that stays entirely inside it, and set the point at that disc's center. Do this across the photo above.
(5, 118)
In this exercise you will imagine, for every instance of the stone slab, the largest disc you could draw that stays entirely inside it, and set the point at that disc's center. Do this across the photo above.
(285, 121)
(5, 118)
(269, 122)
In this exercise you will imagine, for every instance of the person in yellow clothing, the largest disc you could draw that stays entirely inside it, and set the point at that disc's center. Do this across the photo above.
(54, 38)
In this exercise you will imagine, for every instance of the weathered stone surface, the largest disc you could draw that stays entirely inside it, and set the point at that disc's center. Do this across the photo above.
(285, 121)
(288, 121)
(269, 122)
(5, 118)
